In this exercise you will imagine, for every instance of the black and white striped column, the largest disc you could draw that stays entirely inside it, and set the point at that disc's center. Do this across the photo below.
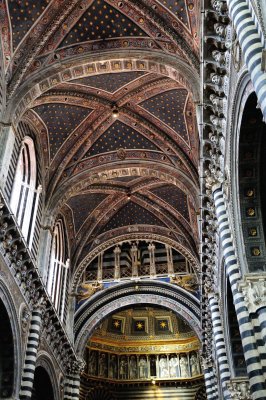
(262, 321)
(218, 336)
(210, 384)
(251, 45)
(72, 385)
(27, 377)
(253, 362)
(75, 387)
(68, 388)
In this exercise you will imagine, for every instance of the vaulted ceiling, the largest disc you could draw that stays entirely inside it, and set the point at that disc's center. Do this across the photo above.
(110, 87)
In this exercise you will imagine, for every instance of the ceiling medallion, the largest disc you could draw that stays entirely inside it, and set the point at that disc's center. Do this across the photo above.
(121, 153)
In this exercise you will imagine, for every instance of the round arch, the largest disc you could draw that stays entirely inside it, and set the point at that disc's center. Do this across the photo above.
(120, 296)
(243, 91)
(42, 385)
(245, 109)
(45, 361)
(10, 308)
(178, 243)
(89, 64)
(102, 174)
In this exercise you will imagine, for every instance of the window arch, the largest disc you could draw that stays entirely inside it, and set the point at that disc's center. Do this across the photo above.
(25, 194)
(57, 282)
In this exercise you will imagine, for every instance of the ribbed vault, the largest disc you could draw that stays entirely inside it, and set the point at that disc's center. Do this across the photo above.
(109, 89)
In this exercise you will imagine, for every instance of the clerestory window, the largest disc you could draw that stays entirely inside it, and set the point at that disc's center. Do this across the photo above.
(57, 282)
(25, 194)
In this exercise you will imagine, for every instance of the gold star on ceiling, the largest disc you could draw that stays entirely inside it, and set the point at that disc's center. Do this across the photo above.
(139, 325)
(116, 323)
(163, 324)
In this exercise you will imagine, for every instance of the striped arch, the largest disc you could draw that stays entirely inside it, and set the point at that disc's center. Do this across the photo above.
(253, 362)
(251, 45)
(128, 294)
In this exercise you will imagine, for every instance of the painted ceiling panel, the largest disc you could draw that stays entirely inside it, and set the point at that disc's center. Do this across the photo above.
(83, 205)
(175, 197)
(101, 21)
(23, 14)
(177, 7)
(132, 214)
(61, 120)
(110, 82)
(119, 136)
(169, 107)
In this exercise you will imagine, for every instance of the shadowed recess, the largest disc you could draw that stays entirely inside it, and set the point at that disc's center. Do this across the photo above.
(101, 21)
(61, 120)
(109, 82)
(175, 197)
(119, 136)
(169, 108)
(83, 205)
(132, 214)
(23, 14)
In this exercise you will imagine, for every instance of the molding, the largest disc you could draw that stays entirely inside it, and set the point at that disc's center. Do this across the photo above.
(78, 66)
(104, 303)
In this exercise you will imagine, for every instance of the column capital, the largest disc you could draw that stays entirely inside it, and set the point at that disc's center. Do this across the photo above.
(76, 367)
(206, 361)
(213, 295)
(117, 249)
(253, 288)
(239, 389)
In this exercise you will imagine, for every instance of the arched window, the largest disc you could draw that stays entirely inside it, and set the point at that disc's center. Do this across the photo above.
(57, 282)
(25, 195)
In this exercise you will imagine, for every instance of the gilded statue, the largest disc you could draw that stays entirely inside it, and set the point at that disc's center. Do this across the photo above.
(188, 282)
(86, 290)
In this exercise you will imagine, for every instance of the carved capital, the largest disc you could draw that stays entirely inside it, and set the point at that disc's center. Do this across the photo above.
(253, 288)
(206, 361)
(76, 367)
(239, 389)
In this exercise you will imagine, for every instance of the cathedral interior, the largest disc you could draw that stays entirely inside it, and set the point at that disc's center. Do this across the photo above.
(132, 199)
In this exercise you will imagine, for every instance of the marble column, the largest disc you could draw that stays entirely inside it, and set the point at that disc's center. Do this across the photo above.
(219, 342)
(117, 273)
(151, 249)
(134, 258)
(100, 267)
(27, 376)
(169, 256)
